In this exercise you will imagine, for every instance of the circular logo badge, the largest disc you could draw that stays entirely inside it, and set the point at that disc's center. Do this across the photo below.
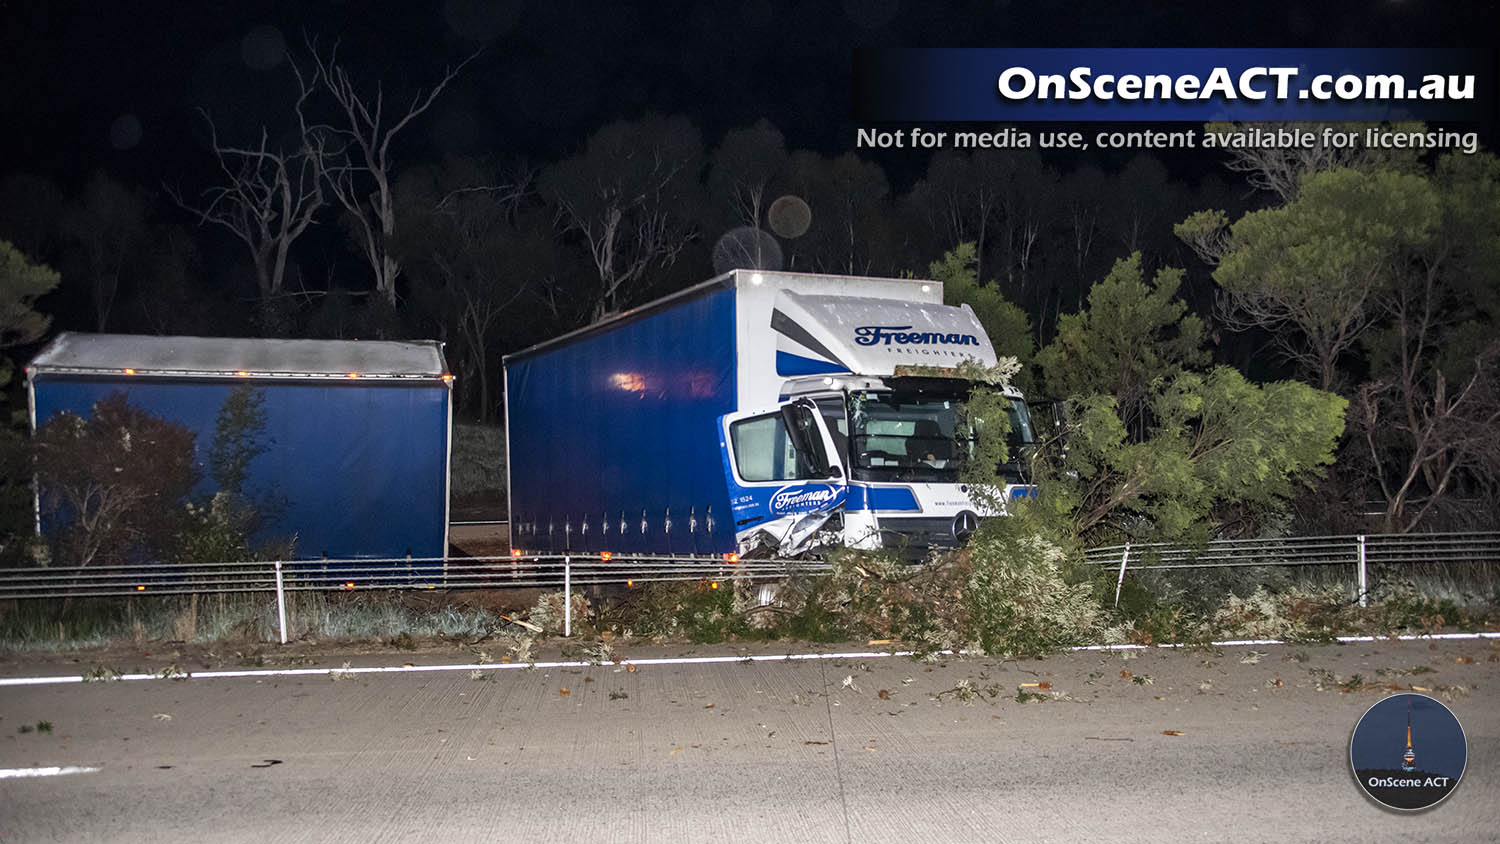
(1408, 752)
(964, 525)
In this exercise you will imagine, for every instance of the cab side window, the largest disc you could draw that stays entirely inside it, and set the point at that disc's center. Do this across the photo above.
(763, 451)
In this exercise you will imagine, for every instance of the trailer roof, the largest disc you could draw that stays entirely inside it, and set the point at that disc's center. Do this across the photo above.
(219, 357)
(723, 280)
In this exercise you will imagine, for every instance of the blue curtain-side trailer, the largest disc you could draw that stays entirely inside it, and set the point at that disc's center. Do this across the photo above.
(356, 437)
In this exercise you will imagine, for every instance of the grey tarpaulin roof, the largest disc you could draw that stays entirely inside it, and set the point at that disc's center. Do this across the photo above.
(214, 357)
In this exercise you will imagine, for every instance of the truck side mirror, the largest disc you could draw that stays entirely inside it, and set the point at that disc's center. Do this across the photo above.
(797, 418)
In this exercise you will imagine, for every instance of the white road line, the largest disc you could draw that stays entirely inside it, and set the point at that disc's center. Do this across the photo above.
(682, 660)
(54, 771)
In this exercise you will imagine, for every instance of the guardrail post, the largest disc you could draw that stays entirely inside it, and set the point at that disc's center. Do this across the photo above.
(1364, 584)
(567, 596)
(280, 602)
(1120, 583)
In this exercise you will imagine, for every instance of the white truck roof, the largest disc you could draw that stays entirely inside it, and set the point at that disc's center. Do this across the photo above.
(218, 357)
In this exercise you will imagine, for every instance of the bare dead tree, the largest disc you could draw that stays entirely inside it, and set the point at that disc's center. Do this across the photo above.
(1312, 331)
(744, 168)
(1443, 434)
(108, 229)
(1422, 433)
(354, 155)
(1279, 168)
(266, 198)
(628, 196)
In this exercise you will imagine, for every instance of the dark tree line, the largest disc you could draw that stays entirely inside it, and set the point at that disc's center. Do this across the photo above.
(1368, 274)
(492, 255)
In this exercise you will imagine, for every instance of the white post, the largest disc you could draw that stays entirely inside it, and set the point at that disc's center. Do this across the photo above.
(1124, 557)
(567, 596)
(280, 602)
(1363, 577)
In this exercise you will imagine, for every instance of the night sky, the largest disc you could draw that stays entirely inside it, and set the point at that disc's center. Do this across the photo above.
(91, 85)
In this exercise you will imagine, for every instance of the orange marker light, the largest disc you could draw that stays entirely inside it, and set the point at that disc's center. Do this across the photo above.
(241, 373)
(515, 552)
(349, 585)
(353, 375)
(714, 585)
(731, 557)
(129, 371)
(629, 583)
(605, 556)
(140, 588)
(447, 378)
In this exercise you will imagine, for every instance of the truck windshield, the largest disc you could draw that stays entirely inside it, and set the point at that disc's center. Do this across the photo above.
(910, 437)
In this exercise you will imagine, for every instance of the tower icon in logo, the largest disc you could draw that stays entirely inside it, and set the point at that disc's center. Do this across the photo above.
(1409, 758)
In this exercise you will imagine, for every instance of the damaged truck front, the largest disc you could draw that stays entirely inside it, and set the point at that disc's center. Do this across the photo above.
(759, 411)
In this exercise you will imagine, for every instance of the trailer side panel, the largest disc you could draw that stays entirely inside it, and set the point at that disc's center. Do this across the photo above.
(612, 438)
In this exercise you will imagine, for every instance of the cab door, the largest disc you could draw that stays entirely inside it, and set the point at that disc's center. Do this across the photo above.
(785, 475)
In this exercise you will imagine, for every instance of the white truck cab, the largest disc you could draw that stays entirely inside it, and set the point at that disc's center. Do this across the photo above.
(860, 449)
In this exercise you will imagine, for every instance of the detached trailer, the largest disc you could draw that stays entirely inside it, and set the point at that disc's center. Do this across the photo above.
(357, 433)
(759, 409)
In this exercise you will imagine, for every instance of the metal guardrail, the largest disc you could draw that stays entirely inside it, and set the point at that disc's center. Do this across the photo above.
(282, 576)
(565, 571)
(1359, 551)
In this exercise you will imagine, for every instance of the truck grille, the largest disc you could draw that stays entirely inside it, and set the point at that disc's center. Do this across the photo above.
(916, 535)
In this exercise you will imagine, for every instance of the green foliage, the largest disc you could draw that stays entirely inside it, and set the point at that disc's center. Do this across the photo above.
(1132, 335)
(697, 610)
(982, 423)
(1403, 607)
(214, 532)
(1214, 439)
(1310, 271)
(1023, 594)
(16, 518)
(1342, 232)
(116, 479)
(21, 284)
(1008, 326)
(237, 438)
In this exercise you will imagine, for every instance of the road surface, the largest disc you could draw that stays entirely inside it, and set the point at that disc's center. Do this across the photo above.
(856, 750)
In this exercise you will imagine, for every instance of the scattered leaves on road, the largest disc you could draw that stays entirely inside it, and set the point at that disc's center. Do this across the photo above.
(162, 716)
(1445, 691)
(1173, 733)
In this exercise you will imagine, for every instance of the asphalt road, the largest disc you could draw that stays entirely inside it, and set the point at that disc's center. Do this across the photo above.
(747, 752)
